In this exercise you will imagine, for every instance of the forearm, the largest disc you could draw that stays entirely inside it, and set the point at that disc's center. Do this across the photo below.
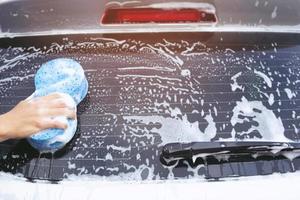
(4, 128)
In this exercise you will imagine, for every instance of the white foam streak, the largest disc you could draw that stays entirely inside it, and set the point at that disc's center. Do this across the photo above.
(268, 125)
(265, 77)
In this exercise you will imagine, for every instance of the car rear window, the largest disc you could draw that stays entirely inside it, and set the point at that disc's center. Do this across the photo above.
(148, 90)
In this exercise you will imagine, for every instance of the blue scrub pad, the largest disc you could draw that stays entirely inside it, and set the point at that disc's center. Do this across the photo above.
(64, 76)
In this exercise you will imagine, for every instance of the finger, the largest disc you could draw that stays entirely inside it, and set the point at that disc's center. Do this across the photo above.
(50, 97)
(54, 95)
(43, 100)
(69, 113)
(59, 103)
(52, 123)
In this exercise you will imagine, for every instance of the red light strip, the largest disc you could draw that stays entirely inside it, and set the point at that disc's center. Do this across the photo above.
(154, 15)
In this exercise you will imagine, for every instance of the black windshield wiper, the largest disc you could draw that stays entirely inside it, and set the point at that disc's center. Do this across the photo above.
(177, 151)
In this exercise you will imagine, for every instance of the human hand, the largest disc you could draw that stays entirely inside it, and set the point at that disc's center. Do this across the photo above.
(33, 115)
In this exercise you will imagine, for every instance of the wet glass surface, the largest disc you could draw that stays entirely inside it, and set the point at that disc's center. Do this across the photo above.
(147, 90)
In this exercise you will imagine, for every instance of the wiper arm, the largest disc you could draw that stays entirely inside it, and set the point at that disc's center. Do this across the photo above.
(178, 151)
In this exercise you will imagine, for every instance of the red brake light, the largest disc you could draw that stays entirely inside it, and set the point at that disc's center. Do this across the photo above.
(156, 15)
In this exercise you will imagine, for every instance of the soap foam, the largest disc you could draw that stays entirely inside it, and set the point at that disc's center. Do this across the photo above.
(264, 121)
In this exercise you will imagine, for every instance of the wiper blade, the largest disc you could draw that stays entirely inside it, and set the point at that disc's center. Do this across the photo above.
(178, 151)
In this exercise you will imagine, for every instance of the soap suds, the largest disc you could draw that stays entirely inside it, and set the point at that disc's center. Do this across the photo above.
(265, 77)
(185, 72)
(274, 13)
(271, 99)
(171, 5)
(264, 125)
(177, 127)
(289, 93)
(235, 85)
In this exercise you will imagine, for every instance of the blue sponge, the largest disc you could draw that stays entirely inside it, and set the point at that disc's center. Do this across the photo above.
(64, 76)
